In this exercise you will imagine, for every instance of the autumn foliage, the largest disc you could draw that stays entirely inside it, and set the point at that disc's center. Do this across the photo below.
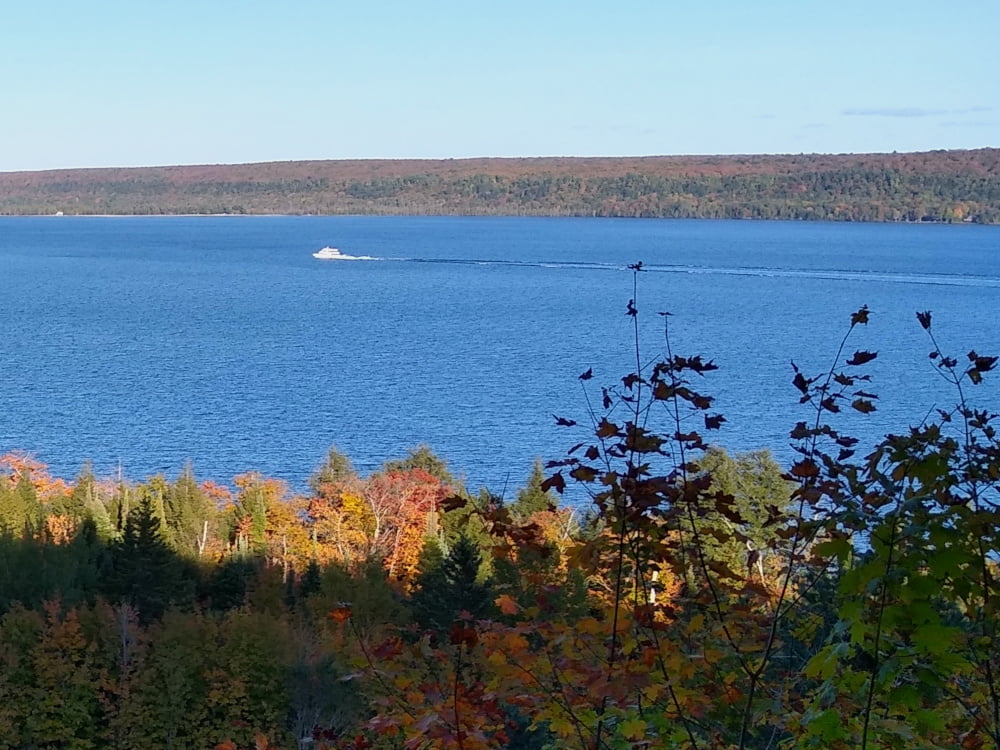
(693, 599)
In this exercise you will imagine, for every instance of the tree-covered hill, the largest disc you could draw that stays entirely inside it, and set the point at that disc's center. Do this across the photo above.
(949, 186)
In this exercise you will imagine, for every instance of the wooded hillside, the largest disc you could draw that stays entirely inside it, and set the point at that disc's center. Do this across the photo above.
(932, 186)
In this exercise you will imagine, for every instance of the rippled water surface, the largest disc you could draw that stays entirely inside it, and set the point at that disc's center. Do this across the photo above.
(148, 342)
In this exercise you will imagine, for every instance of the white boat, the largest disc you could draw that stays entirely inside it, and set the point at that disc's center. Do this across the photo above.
(329, 253)
(332, 253)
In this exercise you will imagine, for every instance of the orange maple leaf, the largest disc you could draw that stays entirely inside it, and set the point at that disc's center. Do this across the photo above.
(341, 613)
(507, 605)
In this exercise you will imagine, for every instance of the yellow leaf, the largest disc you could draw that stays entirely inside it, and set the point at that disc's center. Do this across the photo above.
(589, 626)
(696, 624)
(633, 729)
(652, 693)
(561, 726)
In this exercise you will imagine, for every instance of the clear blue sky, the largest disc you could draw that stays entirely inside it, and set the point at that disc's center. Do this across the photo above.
(105, 83)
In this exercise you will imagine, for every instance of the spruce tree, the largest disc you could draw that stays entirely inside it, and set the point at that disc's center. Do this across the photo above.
(144, 571)
(34, 516)
(189, 514)
(532, 498)
(85, 503)
(446, 591)
(336, 468)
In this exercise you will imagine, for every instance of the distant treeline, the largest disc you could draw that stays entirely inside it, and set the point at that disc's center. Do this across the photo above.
(938, 186)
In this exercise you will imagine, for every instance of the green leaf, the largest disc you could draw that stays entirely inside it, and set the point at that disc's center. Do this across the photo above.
(839, 548)
(935, 638)
(633, 729)
(824, 664)
(928, 720)
(827, 726)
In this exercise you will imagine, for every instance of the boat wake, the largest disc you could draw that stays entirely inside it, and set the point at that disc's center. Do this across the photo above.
(880, 276)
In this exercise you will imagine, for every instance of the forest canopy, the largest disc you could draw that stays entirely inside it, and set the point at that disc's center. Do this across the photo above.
(935, 186)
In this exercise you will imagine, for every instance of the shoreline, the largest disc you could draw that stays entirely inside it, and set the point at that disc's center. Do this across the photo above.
(964, 222)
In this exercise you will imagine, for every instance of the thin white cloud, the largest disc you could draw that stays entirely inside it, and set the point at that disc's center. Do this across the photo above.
(910, 111)
(893, 112)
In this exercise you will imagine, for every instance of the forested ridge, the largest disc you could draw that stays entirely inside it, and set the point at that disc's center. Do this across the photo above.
(938, 186)
(695, 600)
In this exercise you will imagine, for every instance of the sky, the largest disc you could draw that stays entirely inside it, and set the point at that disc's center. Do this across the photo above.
(106, 83)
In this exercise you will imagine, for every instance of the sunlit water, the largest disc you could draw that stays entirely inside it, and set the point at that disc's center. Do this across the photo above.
(150, 342)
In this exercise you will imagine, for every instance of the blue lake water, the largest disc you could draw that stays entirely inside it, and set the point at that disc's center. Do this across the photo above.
(149, 342)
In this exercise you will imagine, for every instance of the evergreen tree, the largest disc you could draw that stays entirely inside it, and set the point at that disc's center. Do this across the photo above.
(336, 468)
(33, 570)
(85, 502)
(532, 498)
(445, 591)
(467, 521)
(431, 557)
(251, 510)
(154, 491)
(11, 512)
(227, 586)
(20, 511)
(144, 571)
(189, 514)
(311, 580)
(422, 457)
(121, 504)
(756, 483)
(27, 498)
